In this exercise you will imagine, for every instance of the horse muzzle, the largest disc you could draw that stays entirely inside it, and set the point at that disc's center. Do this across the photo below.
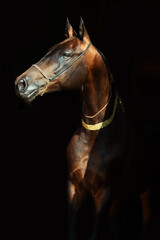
(25, 90)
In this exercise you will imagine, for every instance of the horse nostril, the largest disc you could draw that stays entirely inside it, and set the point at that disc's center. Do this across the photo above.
(22, 85)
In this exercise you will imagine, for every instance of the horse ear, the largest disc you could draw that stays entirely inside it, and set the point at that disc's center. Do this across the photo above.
(69, 31)
(83, 35)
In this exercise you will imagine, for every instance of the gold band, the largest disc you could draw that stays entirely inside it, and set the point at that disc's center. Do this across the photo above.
(101, 108)
(98, 126)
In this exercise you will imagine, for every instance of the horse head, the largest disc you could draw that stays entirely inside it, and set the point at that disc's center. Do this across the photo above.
(65, 66)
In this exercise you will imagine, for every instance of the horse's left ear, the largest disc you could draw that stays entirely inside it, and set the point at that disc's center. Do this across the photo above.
(69, 31)
(83, 35)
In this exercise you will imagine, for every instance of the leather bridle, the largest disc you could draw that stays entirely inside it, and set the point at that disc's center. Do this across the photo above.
(63, 70)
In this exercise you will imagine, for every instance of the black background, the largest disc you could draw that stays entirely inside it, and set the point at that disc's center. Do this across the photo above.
(34, 138)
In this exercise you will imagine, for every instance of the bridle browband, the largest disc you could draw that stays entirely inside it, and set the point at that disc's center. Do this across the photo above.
(63, 70)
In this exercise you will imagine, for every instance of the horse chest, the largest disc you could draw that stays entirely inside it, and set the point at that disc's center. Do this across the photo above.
(78, 155)
(85, 166)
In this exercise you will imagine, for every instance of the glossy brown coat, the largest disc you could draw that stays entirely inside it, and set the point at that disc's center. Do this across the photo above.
(110, 164)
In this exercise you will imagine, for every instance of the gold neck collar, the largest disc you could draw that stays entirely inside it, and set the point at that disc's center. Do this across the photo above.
(98, 126)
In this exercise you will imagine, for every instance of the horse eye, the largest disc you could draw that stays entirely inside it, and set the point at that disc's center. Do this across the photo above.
(66, 55)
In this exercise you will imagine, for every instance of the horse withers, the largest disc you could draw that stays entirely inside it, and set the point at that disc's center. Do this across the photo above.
(107, 155)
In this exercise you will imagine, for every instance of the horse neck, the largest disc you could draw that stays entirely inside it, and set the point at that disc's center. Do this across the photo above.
(95, 91)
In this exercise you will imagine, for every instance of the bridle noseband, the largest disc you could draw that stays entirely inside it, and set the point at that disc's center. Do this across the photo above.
(63, 70)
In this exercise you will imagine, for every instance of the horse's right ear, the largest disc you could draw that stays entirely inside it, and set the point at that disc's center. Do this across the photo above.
(83, 35)
(69, 31)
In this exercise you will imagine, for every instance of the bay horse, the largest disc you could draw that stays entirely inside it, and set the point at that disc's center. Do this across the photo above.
(107, 156)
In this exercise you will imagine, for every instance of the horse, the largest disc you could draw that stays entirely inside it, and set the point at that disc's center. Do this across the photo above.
(107, 155)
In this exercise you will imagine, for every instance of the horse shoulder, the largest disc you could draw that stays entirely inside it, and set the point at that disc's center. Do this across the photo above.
(77, 156)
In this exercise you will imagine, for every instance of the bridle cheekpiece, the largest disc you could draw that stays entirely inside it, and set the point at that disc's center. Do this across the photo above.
(63, 70)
